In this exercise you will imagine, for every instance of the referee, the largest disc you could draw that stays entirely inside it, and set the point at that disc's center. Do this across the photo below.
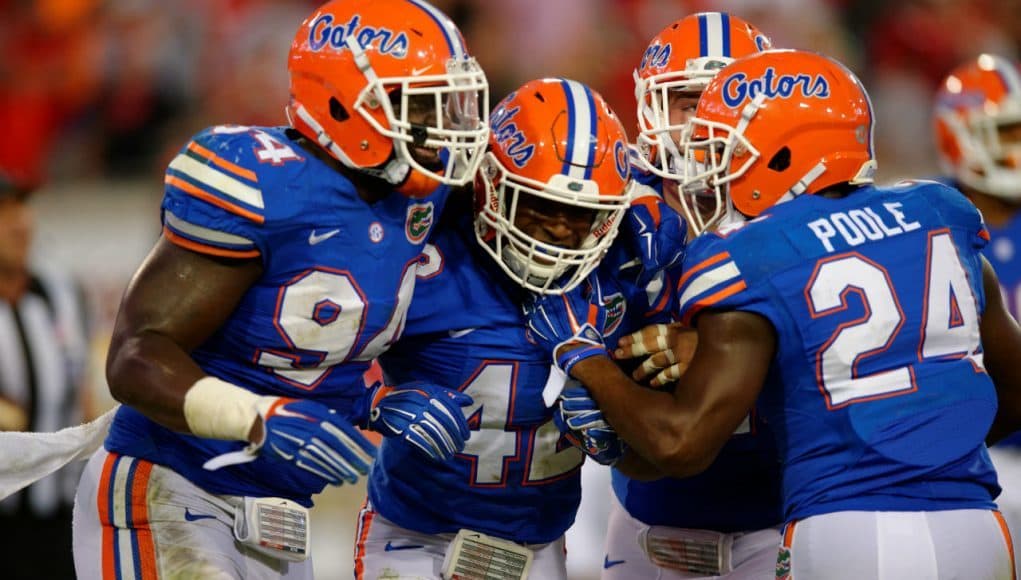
(43, 354)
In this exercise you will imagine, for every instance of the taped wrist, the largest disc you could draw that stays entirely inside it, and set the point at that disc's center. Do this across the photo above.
(216, 409)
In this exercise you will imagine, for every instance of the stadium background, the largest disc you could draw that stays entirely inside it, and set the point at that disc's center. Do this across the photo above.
(96, 96)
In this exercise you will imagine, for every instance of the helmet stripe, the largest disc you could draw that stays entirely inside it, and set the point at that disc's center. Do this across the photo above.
(725, 29)
(581, 129)
(702, 36)
(450, 32)
(1009, 75)
(714, 37)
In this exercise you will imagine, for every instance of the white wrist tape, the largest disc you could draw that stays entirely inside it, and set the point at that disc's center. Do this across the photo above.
(217, 409)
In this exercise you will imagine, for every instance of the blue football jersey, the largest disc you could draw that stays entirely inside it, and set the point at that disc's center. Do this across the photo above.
(338, 277)
(877, 396)
(739, 491)
(1004, 254)
(466, 330)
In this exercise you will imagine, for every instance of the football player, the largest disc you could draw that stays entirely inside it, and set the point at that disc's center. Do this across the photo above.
(286, 264)
(731, 513)
(977, 123)
(550, 197)
(863, 319)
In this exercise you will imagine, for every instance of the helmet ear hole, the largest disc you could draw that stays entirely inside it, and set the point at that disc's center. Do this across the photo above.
(781, 160)
(337, 111)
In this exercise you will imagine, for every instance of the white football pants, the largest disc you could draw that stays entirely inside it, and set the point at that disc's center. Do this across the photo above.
(932, 545)
(1007, 461)
(385, 550)
(134, 519)
(753, 554)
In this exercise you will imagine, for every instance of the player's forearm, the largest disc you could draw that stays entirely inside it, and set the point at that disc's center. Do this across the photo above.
(637, 467)
(152, 374)
(650, 421)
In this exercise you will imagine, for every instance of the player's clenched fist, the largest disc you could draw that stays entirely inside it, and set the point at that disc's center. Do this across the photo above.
(670, 348)
(304, 433)
(314, 438)
(425, 415)
(581, 423)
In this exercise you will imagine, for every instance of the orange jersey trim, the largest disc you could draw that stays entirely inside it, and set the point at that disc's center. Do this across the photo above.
(1010, 542)
(702, 266)
(140, 521)
(213, 199)
(105, 517)
(207, 249)
(661, 304)
(714, 298)
(363, 537)
(222, 163)
(788, 534)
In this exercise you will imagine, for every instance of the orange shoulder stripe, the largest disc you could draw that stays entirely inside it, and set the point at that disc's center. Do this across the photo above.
(714, 298)
(213, 199)
(207, 249)
(221, 162)
(702, 266)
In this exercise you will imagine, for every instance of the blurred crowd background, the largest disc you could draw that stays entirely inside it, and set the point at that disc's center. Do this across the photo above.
(107, 90)
(96, 97)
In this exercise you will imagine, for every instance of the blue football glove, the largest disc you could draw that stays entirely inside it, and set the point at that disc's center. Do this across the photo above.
(582, 424)
(574, 319)
(316, 439)
(425, 415)
(657, 235)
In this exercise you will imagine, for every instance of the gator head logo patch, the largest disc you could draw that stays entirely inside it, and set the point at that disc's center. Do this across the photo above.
(783, 563)
(615, 306)
(420, 220)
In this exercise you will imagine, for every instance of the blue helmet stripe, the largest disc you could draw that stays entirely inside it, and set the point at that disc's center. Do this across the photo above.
(714, 34)
(703, 33)
(592, 137)
(566, 170)
(581, 127)
(725, 29)
(450, 33)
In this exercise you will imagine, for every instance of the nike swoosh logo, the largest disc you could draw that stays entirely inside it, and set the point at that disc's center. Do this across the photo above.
(196, 517)
(390, 547)
(460, 333)
(608, 563)
(313, 239)
(417, 71)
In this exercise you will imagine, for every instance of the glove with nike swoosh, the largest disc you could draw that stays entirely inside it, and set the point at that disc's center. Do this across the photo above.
(314, 438)
(423, 414)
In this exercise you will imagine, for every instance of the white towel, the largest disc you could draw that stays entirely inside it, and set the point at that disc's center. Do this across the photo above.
(28, 457)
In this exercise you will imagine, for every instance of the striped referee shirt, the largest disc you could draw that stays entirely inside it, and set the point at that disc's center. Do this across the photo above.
(43, 353)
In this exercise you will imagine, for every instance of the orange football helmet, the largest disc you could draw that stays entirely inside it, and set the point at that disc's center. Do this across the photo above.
(373, 81)
(777, 124)
(974, 102)
(680, 61)
(557, 140)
